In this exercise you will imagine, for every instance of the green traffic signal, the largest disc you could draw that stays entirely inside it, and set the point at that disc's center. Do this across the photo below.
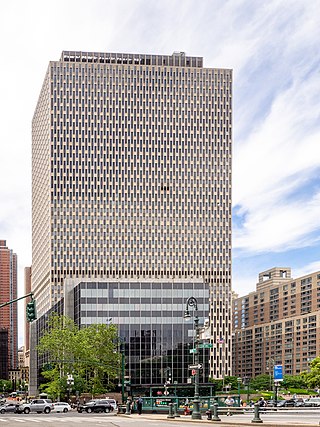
(31, 311)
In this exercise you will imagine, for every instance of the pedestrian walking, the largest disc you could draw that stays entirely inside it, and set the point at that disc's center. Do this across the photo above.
(262, 403)
(139, 405)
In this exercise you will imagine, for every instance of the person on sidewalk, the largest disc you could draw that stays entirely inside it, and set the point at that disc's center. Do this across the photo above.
(229, 402)
(139, 405)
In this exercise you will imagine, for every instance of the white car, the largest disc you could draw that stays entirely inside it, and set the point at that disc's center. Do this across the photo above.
(113, 403)
(61, 407)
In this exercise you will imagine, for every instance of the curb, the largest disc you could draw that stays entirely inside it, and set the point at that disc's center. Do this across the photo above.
(220, 423)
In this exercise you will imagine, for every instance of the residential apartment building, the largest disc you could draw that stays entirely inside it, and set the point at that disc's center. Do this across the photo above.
(8, 314)
(131, 178)
(277, 324)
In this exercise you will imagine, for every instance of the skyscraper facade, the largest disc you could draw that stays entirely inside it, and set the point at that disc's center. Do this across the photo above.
(8, 314)
(132, 177)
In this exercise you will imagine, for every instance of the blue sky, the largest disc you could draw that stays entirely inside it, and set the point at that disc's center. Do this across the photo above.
(272, 47)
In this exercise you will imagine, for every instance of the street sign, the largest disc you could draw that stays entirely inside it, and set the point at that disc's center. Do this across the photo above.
(278, 373)
(205, 345)
(199, 366)
(193, 350)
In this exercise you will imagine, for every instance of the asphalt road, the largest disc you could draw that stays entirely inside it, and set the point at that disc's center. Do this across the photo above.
(288, 418)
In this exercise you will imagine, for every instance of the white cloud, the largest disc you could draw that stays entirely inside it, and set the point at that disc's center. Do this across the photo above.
(276, 159)
(244, 284)
(307, 269)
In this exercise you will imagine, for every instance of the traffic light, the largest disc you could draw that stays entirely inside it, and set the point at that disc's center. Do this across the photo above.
(31, 311)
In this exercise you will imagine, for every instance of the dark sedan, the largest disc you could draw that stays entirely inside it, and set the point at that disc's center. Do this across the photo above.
(100, 405)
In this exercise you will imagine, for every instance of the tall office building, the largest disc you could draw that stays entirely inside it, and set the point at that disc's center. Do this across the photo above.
(8, 314)
(131, 177)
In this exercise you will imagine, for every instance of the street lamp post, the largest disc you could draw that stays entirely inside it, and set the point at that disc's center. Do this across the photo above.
(26, 391)
(192, 302)
(276, 385)
(70, 383)
(247, 382)
(122, 351)
(270, 367)
(239, 380)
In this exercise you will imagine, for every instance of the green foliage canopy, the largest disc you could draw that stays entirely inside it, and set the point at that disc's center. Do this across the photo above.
(312, 378)
(88, 353)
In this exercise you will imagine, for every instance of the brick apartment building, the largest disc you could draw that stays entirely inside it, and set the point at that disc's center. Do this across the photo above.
(277, 324)
(8, 314)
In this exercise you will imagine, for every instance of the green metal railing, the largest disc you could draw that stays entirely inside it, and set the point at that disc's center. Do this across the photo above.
(161, 403)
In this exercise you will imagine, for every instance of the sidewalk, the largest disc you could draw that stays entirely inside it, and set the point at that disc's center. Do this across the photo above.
(225, 421)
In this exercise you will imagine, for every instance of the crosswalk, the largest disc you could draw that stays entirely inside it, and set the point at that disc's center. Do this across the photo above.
(26, 419)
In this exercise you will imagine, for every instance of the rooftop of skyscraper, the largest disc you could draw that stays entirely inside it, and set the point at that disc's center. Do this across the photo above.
(176, 59)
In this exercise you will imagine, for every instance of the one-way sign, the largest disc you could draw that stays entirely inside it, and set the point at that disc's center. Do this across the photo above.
(199, 366)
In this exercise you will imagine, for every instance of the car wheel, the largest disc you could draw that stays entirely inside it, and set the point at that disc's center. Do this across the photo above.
(2, 411)
(46, 410)
(65, 410)
(106, 410)
(89, 410)
(26, 410)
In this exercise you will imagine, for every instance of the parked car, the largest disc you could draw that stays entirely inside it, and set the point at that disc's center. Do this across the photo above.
(36, 405)
(8, 407)
(313, 401)
(300, 402)
(100, 405)
(286, 403)
(113, 403)
(61, 407)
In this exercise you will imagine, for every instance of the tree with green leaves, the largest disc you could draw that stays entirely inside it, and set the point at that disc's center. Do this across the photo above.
(260, 382)
(312, 378)
(5, 386)
(294, 381)
(89, 354)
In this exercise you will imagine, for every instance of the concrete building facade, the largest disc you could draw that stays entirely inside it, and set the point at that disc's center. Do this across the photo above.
(278, 324)
(8, 314)
(131, 177)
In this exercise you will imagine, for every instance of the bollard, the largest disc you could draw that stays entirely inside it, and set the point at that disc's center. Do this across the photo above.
(128, 407)
(256, 418)
(215, 413)
(175, 410)
(170, 415)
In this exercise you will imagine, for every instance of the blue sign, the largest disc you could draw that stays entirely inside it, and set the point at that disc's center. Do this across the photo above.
(278, 373)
